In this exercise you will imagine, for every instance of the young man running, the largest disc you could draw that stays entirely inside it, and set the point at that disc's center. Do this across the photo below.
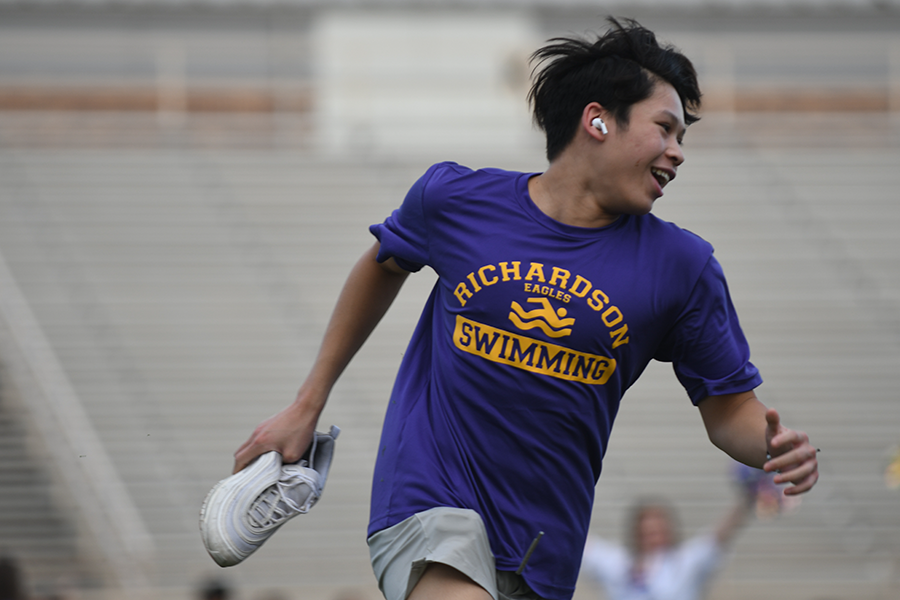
(554, 292)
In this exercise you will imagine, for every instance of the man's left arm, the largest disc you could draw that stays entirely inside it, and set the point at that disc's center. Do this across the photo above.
(742, 427)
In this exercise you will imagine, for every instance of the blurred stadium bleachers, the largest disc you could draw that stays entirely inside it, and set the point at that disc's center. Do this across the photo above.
(184, 186)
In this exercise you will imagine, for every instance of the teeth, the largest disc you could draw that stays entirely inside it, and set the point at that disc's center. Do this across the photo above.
(660, 175)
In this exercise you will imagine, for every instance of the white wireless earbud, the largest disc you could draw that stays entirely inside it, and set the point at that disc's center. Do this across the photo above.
(599, 124)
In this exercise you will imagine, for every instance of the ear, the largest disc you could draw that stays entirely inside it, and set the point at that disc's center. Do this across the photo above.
(592, 111)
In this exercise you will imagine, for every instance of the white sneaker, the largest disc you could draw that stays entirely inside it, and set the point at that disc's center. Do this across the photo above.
(244, 510)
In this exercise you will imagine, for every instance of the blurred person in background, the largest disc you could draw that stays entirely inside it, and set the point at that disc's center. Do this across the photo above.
(654, 564)
(554, 292)
(214, 589)
(12, 584)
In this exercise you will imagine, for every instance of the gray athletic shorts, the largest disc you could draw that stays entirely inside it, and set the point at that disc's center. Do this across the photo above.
(452, 536)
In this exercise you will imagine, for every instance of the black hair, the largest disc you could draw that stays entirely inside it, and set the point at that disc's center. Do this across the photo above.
(619, 69)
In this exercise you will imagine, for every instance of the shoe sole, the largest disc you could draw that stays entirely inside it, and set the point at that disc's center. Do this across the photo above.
(213, 529)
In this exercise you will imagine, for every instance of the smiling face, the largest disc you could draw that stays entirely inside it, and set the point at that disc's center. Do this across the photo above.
(641, 158)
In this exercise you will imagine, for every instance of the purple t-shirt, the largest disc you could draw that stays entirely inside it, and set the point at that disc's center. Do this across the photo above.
(534, 330)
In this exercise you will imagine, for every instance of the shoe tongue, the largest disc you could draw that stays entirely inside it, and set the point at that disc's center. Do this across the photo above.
(293, 487)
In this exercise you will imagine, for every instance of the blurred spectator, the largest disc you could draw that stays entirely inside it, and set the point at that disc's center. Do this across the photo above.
(214, 589)
(656, 565)
(12, 586)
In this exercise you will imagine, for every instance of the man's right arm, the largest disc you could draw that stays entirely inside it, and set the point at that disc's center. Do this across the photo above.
(367, 294)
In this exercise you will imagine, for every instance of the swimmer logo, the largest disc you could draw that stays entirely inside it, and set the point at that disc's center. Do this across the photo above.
(550, 321)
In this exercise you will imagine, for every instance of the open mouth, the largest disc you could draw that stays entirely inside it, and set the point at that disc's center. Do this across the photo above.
(661, 176)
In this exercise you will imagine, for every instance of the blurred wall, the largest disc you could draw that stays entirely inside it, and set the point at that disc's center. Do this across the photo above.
(399, 81)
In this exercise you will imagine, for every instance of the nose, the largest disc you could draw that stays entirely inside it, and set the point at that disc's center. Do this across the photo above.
(675, 152)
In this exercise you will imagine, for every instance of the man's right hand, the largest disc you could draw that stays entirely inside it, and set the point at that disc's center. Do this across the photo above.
(290, 432)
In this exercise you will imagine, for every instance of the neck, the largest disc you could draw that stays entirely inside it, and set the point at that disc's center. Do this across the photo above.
(563, 196)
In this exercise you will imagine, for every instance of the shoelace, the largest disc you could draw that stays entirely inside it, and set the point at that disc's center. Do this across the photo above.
(275, 505)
